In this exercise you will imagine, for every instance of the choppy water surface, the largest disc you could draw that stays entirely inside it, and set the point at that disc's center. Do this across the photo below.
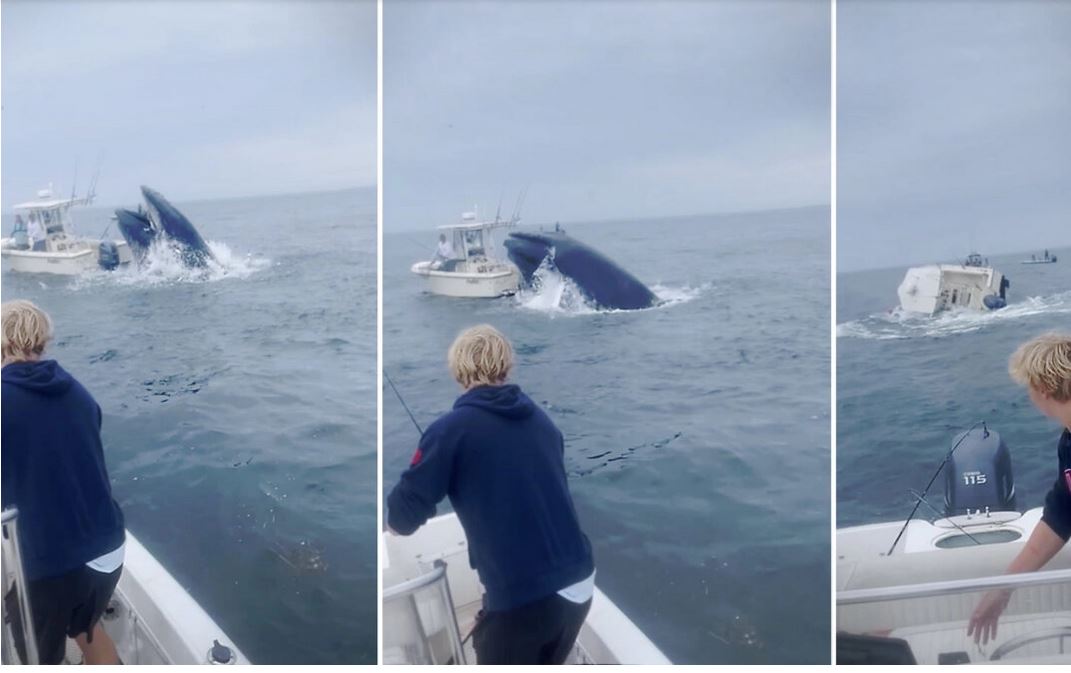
(240, 413)
(697, 433)
(906, 384)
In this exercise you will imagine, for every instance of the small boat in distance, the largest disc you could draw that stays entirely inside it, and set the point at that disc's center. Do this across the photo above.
(906, 589)
(431, 597)
(470, 266)
(941, 287)
(151, 618)
(1044, 259)
(43, 239)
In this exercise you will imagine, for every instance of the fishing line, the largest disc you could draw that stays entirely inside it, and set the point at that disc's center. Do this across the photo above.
(404, 405)
(940, 467)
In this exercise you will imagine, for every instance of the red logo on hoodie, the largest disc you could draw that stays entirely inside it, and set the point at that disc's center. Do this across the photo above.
(418, 455)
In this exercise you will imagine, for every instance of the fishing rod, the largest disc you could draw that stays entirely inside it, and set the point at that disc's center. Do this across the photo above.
(921, 498)
(404, 405)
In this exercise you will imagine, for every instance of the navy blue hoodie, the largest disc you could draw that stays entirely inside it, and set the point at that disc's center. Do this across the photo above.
(53, 470)
(500, 460)
(1057, 512)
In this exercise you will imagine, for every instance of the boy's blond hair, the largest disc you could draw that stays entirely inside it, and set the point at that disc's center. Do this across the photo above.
(1044, 364)
(480, 356)
(27, 329)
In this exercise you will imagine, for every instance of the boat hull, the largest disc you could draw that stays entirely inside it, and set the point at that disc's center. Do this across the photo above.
(502, 281)
(932, 289)
(608, 636)
(80, 258)
(153, 620)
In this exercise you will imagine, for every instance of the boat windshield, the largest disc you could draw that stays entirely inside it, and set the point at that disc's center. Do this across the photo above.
(928, 622)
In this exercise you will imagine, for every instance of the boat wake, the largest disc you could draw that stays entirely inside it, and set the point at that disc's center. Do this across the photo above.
(899, 324)
(163, 265)
(553, 294)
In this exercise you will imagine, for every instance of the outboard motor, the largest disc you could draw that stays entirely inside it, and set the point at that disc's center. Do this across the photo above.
(994, 302)
(109, 255)
(979, 475)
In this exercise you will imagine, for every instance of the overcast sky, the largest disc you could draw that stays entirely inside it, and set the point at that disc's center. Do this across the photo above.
(954, 129)
(605, 109)
(197, 99)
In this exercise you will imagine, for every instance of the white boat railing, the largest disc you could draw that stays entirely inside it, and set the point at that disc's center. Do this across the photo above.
(949, 587)
(14, 580)
(423, 627)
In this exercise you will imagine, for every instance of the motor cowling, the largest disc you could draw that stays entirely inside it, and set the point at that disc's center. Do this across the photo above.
(994, 302)
(979, 475)
(109, 255)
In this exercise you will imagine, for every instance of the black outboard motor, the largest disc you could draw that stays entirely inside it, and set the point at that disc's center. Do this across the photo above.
(109, 255)
(979, 475)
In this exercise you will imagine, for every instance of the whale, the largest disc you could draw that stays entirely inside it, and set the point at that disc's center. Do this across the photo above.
(601, 280)
(160, 220)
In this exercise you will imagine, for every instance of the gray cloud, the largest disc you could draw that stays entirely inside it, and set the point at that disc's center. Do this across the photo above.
(954, 129)
(606, 109)
(200, 99)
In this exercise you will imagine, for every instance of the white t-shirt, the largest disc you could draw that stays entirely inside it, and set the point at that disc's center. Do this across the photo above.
(110, 562)
(446, 251)
(581, 592)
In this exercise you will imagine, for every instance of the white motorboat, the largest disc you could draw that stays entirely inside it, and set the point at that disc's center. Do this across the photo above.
(151, 618)
(1044, 259)
(431, 597)
(43, 240)
(941, 287)
(471, 269)
(906, 591)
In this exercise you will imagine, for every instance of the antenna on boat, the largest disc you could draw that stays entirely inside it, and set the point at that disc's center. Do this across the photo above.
(404, 405)
(498, 210)
(921, 498)
(74, 182)
(516, 216)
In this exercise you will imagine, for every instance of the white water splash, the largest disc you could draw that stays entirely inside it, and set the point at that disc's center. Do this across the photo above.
(163, 265)
(899, 324)
(554, 294)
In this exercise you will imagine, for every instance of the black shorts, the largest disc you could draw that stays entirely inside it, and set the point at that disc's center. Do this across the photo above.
(64, 606)
(542, 632)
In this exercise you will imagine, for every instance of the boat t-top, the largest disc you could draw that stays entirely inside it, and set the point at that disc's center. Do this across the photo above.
(43, 239)
(974, 284)
(906, 590)
(1044, 259)
(466, 263)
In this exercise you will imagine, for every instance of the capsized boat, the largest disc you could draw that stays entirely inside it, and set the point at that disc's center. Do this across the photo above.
(43, 239)
(431, 596)
(471, 268)
(974, 284)
(1044, 259)
(151, 618)
(906, 590)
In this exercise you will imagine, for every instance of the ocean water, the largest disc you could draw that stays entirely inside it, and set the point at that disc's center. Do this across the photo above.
(906, 385)
(240, 413)
(697, 433)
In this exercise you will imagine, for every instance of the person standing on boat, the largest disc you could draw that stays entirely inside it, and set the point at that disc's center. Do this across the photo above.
(1043, 365)
(500, 460)
(444, 253)
(71, 530)
(37, 233)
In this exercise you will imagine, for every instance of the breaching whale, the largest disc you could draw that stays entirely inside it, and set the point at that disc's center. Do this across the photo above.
(601, 280)
(159, 220)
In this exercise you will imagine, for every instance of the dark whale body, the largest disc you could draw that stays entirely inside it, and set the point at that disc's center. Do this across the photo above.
(600, 279)
(159, 220)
